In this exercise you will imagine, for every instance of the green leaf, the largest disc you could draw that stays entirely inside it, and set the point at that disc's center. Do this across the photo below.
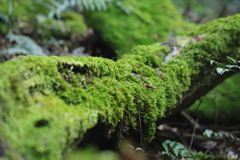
(212, 62)
(222, 70)
(231, 60)
(208, 133)
(139, 149)
(165, 145)
(232, 66)
(220, 65)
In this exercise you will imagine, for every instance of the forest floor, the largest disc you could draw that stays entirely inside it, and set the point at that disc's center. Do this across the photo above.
(197, 137)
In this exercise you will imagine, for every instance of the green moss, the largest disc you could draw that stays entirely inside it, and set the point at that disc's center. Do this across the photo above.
(178, 77)
(91, 153)
(151, 55)
(200, 156)
(63, 97)
(145, 23)
(54, 94)
(220, 41)
(231, 24)
(36, 120)
(75, 22)
(49, 96)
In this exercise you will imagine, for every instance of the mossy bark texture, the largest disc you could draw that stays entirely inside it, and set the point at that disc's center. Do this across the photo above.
(48, 103)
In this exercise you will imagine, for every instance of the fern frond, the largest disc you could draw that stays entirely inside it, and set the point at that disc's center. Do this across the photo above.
(5, 18)
(56, 6)
(12, 51)
(24, 45)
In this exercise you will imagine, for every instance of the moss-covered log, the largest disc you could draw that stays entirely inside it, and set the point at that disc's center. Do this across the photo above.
(48, 103)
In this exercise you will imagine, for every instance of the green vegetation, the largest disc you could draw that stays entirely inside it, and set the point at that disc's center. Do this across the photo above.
(52, 95)
(123, 24)
(49, 103)
(57, 99)
(38, 17)
(70, 23)
(91, 154)
(203, 11)
(131, 23)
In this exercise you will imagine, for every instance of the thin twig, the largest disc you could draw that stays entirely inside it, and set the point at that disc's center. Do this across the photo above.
(191, 120)
(195, 126)
(140, 123)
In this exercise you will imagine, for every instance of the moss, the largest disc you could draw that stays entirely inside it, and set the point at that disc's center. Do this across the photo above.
(135, 22)
(178, 78)
(151, 55)
(216, 44)
(63, 97)
(51, 96)
(91, 153)
(48, 125)
(220, 25)
(75, 22)
(221, 41)
(210, 157)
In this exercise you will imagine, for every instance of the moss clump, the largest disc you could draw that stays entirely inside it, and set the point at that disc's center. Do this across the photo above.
(134, 22)
(149, 55)
(91, 153)
(35, 123)
(75, 22)
(200, 156)
(220, 41)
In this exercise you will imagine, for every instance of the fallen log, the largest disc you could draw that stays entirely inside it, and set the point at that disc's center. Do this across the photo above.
(49, 103)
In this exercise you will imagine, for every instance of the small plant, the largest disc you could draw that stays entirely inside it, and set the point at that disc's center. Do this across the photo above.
(24, 45)
(58, 6)
(222, 68)
(228, 141)
(177, 150)
(209, 133)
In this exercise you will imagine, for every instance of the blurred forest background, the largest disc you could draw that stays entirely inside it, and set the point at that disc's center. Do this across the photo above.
(202, 11)
(34, 30)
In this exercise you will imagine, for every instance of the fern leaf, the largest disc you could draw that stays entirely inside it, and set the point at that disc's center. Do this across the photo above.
(24, 45)
(5, 18)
